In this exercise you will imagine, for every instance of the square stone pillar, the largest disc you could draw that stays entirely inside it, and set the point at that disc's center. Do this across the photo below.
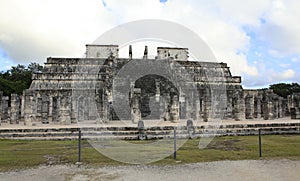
(198, 109)
(45, 109)
(55, 108)
(5, 115)
(174, 109)
(280, 108)
(206, 104)
(15, 109)
(239, 106)
(22, 102)
(275, 108)
(73, 109)
(257, 107)
(295, 106)
(29, 107)
(229, 107)
(249, 106)
(135, 106)
(64, 111)
(269, 106)
(1, 95)
(182, 109)
(162, 106)
(188, 109)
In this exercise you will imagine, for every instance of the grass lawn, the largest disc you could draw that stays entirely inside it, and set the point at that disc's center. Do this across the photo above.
(17, 154)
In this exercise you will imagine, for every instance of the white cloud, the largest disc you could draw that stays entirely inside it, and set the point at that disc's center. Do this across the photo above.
(275, 53)
(225, 38)
(61, 28)
(281, 29)
(268, 75)
(288, 74)
(284, 65)
(245, 12)
(296, 59)
(35, 29)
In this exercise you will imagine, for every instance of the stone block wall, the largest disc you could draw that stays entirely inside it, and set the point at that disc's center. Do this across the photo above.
(71, 90)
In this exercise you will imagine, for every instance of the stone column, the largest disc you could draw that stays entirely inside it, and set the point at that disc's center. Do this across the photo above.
(206, 104)
(105, 108)
(64, 110)
(29, 107)
(55, 108)
(167, 107)
(15, 109)
(249, 106)
(275, 108)
(22, 102)
(73, 109)
(45, 109)
(229, 106)
(182, 109)
(50, 107)
(268, 105)
(197, 108)
(295, 106)
(135, 106)
(280, 108)
(5, 115)
(157, 90)
(187, 108)
(174, 108)
(257, 107)
(162, 106)
(1, 95)
(39, 104)
(239, 106)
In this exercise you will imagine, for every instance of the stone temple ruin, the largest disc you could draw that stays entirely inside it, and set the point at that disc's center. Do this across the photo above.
(72, 90)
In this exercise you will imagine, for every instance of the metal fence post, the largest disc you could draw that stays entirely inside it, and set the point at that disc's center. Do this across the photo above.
(174, 143)
(259, 142)
(79, 145)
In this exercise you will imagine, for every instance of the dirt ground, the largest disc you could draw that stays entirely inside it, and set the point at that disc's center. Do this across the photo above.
(221, 170)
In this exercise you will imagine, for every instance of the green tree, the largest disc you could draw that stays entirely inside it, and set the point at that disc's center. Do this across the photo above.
(284, 89)
(18, 78)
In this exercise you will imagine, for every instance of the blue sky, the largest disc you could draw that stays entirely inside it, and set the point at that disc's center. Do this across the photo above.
(259, 39)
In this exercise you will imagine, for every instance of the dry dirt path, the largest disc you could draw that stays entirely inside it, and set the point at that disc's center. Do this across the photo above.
(220, 170)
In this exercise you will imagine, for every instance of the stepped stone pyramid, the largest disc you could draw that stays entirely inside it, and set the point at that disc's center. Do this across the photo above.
(93, 88)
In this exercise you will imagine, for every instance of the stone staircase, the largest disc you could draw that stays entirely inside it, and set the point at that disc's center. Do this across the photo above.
(156, 132)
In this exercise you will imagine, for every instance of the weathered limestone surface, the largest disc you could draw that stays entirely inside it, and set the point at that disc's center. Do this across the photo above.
(135, 105)
(5, 109)
(73, 90)
(15, 109)
(1, 95)
(294, 105)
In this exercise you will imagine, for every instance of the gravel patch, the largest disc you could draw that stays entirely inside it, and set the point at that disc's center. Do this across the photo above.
(220, 170)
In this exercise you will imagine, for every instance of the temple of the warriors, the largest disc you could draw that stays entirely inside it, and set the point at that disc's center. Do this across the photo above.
(73, 90)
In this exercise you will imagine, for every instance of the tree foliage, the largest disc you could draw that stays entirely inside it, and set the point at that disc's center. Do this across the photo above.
(284, 89)
(18, 78)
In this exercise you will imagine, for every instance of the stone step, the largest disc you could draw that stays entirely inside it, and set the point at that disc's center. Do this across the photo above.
(132, 133)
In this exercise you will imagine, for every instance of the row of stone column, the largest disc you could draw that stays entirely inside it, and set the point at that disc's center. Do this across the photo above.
(56, 108)
(10, 109)
(294, 105)
(265, 104)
